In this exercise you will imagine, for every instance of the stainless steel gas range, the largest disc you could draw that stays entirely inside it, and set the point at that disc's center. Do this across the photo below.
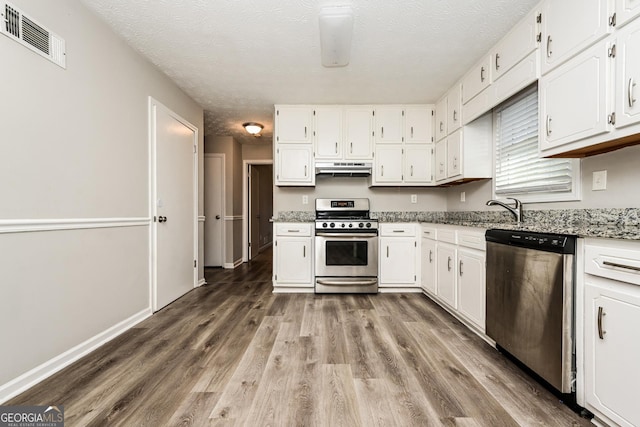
(346, 247)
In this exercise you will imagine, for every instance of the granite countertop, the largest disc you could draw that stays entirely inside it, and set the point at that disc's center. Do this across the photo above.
(613, 223)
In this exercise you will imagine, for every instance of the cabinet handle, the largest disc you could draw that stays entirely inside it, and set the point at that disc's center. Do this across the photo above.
(455, 116)
(412, 132)
(411, 170)
(304, 251)
(441, 129)
(382, 132)
(305, 132)
(461, 267)
(293, 231)
(549, 51)
(387, 251)
(482, 74)
(336, 148)
(398, 231)
(497, 64)
(351, 149)
(305, 171)
(601, 314)
(548, 125)
(381, 170)
(615, 264)
(630, 92)
(455, 162)
(430, 256)
(448, 263)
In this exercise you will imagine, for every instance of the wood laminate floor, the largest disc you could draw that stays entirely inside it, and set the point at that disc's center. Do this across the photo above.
(232, 353)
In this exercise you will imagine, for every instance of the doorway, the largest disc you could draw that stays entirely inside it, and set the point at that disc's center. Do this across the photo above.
(257, 207)
(214, 208)
(173, 205)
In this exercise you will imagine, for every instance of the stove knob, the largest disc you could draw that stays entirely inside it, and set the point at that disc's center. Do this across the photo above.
(350, 225)
(324, 225)
(361, 225)
(368, 225)
(333, 224)
(342, 225)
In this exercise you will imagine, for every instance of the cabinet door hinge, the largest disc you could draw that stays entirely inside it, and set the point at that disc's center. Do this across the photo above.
(277, 138)
(415, 244)
(539, 38)
(612, 20)
(276, 243)
(277, 112)
(612, 51)
(402, 113)
(276, 277)
(612, 118)
(195, 263)
(314, 112)
(403, 139)
(415, 277)
(539, 18)
(433, 113)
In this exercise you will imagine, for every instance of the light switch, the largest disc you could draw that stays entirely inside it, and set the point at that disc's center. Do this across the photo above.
(305, 199)
(599, 181)
(414, 198)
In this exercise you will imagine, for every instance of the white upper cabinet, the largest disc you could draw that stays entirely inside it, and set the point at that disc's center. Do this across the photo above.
(627, 96)
(418, 164)
(454, 109)
(328, 132)
(389, 124)
(389, 164)
(626, 11)
(454, 158)
(441, 160)
(441, 119)
(570, 26)
(516, 45)
(294, 164)
(293, 124)
(476, 80)
(418, 124)
(574, 100)
(358, 132)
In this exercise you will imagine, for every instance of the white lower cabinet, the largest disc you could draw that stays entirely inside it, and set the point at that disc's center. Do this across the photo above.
(428, 260)
(471, 285)
(398, 256)
(611, 333)
(453, 263)
(293, 257)
(446, 262)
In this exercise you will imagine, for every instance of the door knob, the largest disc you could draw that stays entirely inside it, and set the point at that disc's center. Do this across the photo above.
(217, 216)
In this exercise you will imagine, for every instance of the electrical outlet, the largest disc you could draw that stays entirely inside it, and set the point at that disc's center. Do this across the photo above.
(599, 181)
(414, 198)
(463, 196)
(305, 199)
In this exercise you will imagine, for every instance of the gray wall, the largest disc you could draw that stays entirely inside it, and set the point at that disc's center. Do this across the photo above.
(74, 146)
(623, 178)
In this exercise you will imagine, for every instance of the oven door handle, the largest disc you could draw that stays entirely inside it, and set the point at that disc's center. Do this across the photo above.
(365, 235)
(347, 282)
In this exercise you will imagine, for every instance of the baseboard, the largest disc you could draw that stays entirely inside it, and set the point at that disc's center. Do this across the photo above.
(233, 265)
(201, 282)
(50, 367)
(399, 290)
(265, 246)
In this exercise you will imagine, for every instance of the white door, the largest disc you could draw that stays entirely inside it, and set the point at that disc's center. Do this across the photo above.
(418, 127)
(454, 107)
(328, 133)
(471, 286)
(446, 267)
(389, 125)
(293, 124)
(388, 163)
(428, 265)
(358, 133)
(397, 261)
(628, 75)
(419, 163)
(441, 119)
(626, 10)
(213, 210)
(441, 160)
(174, 142)
(254, 211)
(294, 164)
(454, 154)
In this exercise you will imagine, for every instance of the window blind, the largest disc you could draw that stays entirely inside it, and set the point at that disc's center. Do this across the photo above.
(518, 168)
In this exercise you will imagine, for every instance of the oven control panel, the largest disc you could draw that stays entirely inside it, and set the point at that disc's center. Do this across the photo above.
(346, 225)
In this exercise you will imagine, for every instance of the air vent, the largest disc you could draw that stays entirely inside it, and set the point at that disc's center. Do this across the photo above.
(26, 31)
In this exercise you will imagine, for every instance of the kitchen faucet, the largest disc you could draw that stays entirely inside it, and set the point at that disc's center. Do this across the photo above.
(515, 210)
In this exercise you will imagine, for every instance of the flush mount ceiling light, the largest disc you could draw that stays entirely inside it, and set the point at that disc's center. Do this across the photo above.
(336, 28)
(253, 128)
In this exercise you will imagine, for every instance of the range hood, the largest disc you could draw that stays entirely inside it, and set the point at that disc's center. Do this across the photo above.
(344, 168)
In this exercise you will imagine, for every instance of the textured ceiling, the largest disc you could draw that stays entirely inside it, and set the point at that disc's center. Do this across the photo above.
(237, 58)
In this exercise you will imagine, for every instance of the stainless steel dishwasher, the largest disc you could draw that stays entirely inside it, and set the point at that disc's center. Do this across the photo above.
(530, 301)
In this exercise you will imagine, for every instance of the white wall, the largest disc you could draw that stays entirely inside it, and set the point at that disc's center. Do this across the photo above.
(74, 146)
(623, 176)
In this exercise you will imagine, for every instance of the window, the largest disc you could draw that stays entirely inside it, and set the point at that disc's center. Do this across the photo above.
(519, 172)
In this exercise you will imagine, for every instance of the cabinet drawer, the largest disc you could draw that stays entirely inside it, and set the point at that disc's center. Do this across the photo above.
(616, 263)
(293, 229)
(428, 232)
(447, 235)
(397, 230)
(472, 239)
